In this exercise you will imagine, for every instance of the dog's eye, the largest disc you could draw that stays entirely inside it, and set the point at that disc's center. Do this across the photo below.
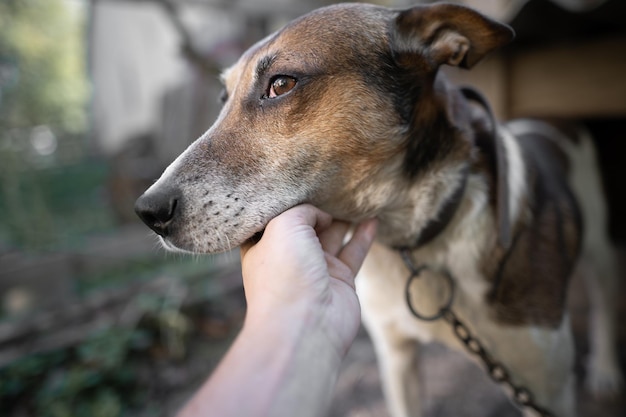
(280, 85)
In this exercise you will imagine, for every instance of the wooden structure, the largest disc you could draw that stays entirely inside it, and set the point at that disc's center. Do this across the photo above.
(567, 67)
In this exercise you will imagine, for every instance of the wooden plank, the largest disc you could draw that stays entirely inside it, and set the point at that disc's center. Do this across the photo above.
(573, 80)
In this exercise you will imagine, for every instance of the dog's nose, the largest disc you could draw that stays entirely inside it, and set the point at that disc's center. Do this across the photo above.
(157, 209)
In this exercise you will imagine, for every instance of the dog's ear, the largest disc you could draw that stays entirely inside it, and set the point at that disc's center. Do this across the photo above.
(446, 34)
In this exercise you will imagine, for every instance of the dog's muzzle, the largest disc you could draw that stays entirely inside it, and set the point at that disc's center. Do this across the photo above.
(158, 209)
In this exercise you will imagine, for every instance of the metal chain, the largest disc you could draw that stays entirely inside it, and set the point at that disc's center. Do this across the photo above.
(496, 370)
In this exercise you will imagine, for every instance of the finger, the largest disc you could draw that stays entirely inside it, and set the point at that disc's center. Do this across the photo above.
(332, 238)
(281, 226)
(339, 270)
(354, 252)
(301, 215)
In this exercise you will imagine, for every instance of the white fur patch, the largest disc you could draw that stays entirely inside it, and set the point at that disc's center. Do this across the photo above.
(516, 173)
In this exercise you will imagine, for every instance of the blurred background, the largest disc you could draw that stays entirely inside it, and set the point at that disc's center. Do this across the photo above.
(98, 96)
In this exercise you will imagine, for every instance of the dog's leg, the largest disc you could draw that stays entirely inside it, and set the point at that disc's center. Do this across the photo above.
(380, 287)
(397, 361)
(599, 267)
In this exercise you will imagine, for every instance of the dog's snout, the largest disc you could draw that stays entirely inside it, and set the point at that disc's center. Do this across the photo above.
(157, 209)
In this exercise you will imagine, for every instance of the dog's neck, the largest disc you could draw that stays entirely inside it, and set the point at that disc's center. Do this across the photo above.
(426, 205)
(421, 212)
(443, 217)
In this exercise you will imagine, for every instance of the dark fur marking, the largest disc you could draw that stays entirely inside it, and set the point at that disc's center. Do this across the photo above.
(428, 144)
(530, 280)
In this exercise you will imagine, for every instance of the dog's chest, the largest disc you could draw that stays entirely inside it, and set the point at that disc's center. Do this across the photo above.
(382, 286)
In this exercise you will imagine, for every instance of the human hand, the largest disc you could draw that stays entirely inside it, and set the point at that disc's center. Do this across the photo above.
(301, 273)
(303, 314)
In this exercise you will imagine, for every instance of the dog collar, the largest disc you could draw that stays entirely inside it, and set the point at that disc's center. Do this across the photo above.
(449, 207)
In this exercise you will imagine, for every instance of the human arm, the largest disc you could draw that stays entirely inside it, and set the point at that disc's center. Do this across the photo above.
(302, 316)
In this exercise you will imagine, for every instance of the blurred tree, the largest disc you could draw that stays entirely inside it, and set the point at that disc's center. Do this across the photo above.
(42, 65)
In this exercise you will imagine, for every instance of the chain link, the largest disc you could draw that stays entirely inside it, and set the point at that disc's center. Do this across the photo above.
(496, 370)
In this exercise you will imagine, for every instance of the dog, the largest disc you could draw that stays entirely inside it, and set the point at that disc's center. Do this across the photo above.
(346, 108)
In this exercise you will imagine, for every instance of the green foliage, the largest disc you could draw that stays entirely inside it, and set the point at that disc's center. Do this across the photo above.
(100, 376)
(90, 380)
(20, 376)
(42, 55)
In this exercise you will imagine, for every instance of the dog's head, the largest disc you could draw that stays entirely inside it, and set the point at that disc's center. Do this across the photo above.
(329, 110)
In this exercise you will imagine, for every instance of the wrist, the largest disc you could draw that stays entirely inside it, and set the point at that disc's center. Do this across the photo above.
(301, 320)
(304, 359)
(290, 325)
